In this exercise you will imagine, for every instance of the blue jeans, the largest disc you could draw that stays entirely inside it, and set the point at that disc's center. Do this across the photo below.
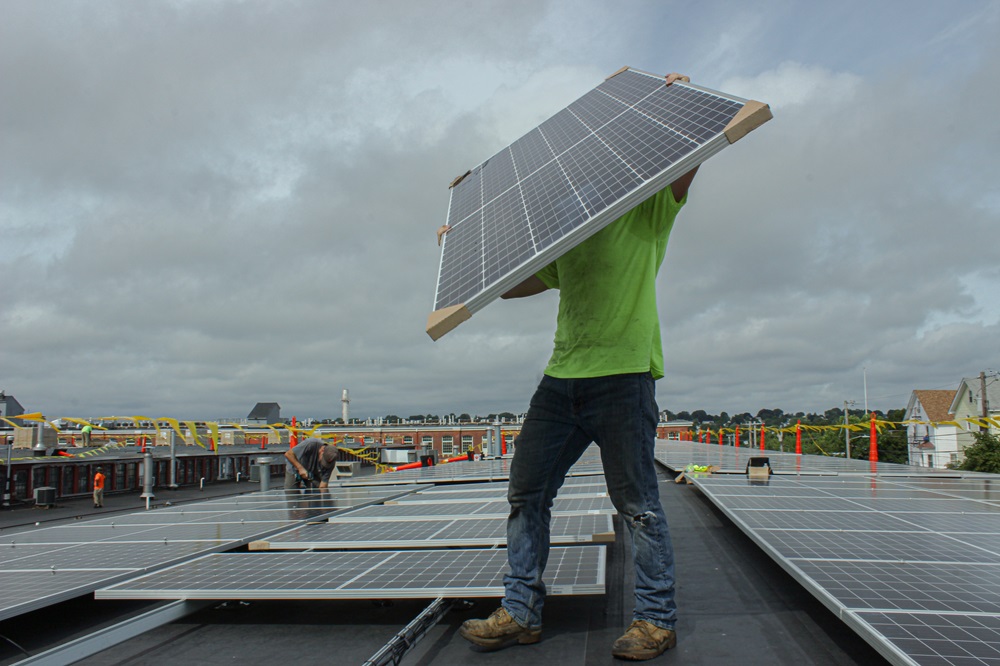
(619, 413)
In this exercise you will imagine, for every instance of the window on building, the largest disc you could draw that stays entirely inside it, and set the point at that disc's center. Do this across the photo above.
(388, 439)
(930, 460)
(38, 476)
(466, 442)
(408, 440)
(369, 439)
(954, 458)
(447, 446)
(427, 440)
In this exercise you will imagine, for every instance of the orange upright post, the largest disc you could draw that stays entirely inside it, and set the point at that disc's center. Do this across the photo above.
(720, 436)
(798, 437)
(736, 440)
(293, 439)
(873, 449)
(762, 437)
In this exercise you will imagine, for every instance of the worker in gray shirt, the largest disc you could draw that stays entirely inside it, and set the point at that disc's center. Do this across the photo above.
(310, 464)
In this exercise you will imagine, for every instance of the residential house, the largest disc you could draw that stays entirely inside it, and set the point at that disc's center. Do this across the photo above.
(968, 403)
(934, 438)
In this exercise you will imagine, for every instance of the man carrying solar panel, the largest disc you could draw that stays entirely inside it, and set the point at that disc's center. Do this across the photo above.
(309, 464)
(598, 386)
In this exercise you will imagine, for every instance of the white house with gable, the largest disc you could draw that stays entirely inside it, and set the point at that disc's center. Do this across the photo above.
(968, 403)
(933, 437)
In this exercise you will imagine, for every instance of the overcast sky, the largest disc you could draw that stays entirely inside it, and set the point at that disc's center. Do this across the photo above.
(207, 204)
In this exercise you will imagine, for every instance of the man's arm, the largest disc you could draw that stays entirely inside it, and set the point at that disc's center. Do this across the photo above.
(533, 285)
(290, 456)
(679, 187)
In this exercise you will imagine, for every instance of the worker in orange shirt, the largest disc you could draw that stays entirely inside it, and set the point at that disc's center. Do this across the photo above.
(99, 489)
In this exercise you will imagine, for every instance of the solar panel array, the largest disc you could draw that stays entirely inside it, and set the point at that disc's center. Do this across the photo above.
(910, 563)
(467, 516)
(42, 566)
(573, 175)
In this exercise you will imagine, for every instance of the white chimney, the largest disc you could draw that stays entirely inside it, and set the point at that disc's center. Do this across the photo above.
(345, 402)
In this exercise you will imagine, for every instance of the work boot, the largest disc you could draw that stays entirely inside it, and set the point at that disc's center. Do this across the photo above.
(498, 631)
(643, 640)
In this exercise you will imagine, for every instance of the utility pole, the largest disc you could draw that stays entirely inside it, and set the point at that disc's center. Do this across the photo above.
(865, 370)
(984, 407)
(847, 430)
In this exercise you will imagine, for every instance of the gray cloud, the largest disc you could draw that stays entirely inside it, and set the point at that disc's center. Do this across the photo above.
(209, 204)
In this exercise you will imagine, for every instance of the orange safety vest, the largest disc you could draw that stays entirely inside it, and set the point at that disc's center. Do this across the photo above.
(98, 481)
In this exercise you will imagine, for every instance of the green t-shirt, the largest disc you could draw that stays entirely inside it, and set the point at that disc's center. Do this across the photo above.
(608, 322)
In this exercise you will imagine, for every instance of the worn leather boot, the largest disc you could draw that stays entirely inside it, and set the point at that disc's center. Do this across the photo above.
(498, 631)
(643, 640)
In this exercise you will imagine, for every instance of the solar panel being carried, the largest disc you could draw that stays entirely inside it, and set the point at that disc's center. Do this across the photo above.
(571, 176)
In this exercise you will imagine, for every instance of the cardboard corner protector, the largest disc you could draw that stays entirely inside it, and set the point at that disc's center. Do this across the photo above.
(441, 321)
(750, 117)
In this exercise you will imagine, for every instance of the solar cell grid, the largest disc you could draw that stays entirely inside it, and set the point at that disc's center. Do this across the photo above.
(24, 591)
(498, 508)
(881, 546)
(826, 520)
(364, 575)
(970, 588)
(975, 523)
(936, 639)
(572, 175)
(431, 533)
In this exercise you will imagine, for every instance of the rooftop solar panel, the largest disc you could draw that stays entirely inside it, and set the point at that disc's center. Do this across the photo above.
(428, 533)
(927, 587)
(24, 591)
(918, 581)
(496, 508)
(573, 175)
(932, 638)
(360, 575)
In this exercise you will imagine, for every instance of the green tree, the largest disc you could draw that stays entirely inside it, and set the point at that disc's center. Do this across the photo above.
(891, 447)
(984, 455)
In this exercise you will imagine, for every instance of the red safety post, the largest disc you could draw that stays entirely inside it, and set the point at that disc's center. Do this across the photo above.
(142, 442)
(761, 437)
(293, 439)
(798, 437)
(873, 449)
(720, 436)
(736, 440)
(503, 444)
